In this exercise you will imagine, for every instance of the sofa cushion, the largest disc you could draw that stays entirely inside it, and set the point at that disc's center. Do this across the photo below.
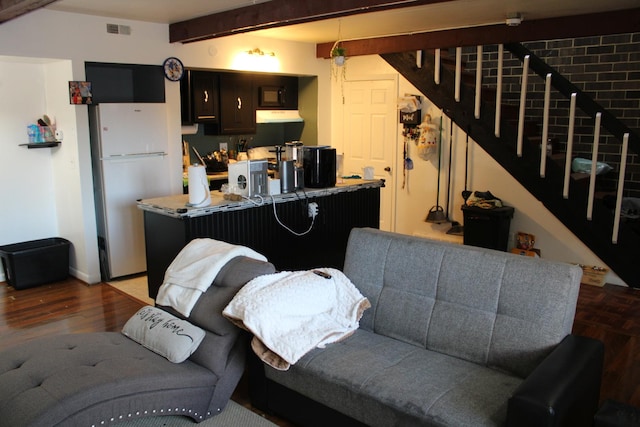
(382, 381)
(488, 307)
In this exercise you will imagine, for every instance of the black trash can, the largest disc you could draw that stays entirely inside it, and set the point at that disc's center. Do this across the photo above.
(36, 262)
(487, 228)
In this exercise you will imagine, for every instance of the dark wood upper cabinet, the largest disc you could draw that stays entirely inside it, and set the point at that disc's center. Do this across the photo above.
(237, 109)
(226, 102)
(206, 105)
(200, 101)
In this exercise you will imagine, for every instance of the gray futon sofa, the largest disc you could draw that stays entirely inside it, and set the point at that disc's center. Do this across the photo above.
(456, 336)
(102, 378)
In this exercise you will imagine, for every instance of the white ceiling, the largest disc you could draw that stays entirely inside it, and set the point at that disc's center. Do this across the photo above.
(438, 16)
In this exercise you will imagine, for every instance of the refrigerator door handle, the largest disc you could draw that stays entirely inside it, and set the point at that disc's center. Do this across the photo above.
(134, 155)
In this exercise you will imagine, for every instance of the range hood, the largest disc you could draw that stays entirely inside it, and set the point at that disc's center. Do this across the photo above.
(278, 116)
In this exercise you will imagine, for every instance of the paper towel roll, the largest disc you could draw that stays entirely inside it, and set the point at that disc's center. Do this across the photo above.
(199, 194)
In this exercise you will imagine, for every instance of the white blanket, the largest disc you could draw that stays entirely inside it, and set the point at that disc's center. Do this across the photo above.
(193, 270)
(290, 313)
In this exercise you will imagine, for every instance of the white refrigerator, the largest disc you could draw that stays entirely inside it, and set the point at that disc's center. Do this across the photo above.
(129, 144)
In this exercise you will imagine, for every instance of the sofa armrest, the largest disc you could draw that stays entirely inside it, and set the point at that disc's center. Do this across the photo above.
(564, 390)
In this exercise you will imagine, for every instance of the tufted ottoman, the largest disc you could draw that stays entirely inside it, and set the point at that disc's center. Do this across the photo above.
(97, 379)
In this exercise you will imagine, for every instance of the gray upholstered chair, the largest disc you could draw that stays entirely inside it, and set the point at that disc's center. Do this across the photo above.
(103, 378)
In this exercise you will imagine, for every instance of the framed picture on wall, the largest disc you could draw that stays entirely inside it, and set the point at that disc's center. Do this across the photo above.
(80, 92)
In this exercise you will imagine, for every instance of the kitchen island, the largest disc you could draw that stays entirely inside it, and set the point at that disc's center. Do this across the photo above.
(279, 227)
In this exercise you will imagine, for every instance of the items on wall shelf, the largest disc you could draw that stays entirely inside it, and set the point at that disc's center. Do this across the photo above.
(43, 134)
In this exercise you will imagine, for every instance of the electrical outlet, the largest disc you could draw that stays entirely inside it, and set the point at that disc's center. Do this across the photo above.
(224, 146)
(313, 209)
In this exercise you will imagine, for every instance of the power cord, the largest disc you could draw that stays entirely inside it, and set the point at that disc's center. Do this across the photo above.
(312, 215)
(312, 210)
(253, 201)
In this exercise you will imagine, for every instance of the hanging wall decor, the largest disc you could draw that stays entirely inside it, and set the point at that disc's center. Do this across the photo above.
(428, 140)
(80, 93)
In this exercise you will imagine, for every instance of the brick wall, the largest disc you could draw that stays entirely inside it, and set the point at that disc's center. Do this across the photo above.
(605, 67)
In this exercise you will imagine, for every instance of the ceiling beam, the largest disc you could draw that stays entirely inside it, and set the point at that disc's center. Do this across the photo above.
(10, 9)
(278, 13)
(618, 22)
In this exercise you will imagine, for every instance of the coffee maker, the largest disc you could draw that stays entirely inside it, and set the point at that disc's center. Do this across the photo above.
(294, 152)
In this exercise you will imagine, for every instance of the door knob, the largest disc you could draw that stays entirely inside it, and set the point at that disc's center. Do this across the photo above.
(388, 169)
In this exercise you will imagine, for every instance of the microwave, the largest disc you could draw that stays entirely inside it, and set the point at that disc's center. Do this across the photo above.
(272, 96)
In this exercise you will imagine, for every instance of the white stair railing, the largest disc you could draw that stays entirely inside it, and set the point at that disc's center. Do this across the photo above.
(499, 90)
(623, 168)
(594, 164)
(569, 153)
(458, 73)
(545, 125)
(523, 100)
(436, 71)
(476, 111)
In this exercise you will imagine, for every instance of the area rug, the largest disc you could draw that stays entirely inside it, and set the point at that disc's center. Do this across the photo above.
(234, 415)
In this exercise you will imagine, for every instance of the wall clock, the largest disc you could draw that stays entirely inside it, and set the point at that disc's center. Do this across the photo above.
(173, 69)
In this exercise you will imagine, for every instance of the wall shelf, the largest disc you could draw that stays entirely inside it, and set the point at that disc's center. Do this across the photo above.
(41, 144)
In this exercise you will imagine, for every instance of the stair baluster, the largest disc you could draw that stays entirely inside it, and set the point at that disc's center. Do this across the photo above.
(458, 73)
(545, 125)
(436, 68)
(476, 112)
(594, 163)
(499, 90)
(623, 169)
(523, 103)
(569, 150)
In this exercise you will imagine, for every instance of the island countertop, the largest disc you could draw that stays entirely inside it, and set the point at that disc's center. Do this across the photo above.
(176, 205)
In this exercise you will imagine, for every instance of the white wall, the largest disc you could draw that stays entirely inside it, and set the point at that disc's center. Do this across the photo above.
(419, 194)
(48, 192)
(26, 188)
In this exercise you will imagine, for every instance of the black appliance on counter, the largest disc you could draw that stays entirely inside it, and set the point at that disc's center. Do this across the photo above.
(319, 164)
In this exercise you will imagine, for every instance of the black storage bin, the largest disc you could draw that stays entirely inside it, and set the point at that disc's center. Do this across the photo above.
(487, 228)
(36, 262)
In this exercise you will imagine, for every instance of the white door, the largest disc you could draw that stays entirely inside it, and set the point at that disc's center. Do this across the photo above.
(370, 133)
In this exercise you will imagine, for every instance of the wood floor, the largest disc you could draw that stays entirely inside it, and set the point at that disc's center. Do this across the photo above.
(610, 313)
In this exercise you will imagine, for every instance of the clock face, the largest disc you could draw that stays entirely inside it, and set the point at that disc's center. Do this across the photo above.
(173, 69)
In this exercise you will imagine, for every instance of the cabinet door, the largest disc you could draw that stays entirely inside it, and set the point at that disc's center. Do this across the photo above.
(186, 103)
(205, 97)
(290, 92)
(237, 109)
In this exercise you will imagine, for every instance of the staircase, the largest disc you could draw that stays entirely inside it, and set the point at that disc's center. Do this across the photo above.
(524, 163)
